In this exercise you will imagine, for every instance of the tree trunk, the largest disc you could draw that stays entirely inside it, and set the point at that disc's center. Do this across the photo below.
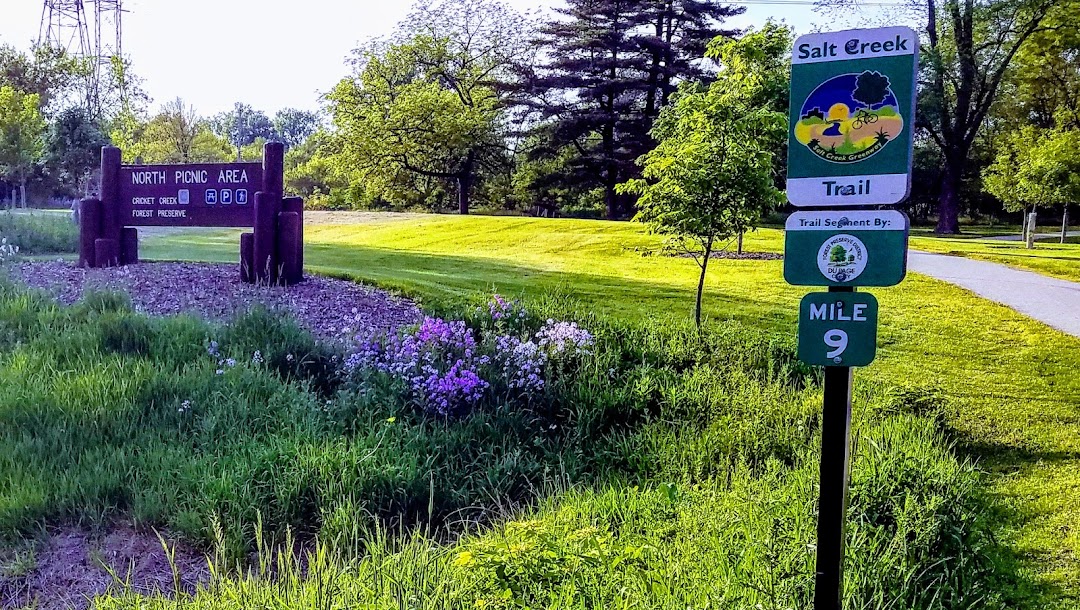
(741, 234)
(1065, 224)
(22, 192)
(949, 201)
(611, 202)
(463, 193)
(465, 181)
(701, 282)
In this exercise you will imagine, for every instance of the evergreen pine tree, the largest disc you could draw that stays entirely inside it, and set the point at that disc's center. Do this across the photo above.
(679, 31)
(611, 65)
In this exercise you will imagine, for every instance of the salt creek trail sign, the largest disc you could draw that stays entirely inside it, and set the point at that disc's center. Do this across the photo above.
(197, 195)
(852, 117)
(852, 123)
(846, 248)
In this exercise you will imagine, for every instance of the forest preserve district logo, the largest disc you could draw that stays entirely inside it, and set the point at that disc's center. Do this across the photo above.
(842, 258)
(850, 117)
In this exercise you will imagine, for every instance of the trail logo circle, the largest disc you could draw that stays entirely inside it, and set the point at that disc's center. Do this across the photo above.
(850, 117)
(842, 258)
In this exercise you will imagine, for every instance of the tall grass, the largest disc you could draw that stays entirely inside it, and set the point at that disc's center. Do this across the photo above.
(39, 233)
(676, 469)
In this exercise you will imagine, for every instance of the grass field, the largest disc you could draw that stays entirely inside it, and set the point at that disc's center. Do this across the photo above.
(660, 447)
(1009, 383)
(39, 232)
(1048, 257)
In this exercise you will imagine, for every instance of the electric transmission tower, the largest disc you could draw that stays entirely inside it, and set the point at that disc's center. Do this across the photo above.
(92, 35)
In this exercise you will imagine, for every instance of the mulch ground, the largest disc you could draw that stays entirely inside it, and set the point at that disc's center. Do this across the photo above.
(214, 291)
(72, 566)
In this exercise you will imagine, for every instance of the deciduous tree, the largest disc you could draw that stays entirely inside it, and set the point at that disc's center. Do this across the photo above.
(711, 175)
(242, 126)
(1037, 168)
(295, 126)
(22, 131)
(969, 48)
(428, 104)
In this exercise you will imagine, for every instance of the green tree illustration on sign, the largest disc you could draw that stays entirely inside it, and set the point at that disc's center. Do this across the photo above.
(871, 88)
(838, 254)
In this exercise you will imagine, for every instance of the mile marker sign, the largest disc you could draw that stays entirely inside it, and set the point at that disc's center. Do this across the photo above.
(838, 329)
(852, 117)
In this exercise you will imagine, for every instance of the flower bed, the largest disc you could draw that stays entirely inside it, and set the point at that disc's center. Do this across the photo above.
(449, 367)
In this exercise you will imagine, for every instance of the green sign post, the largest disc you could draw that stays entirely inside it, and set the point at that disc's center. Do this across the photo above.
(852, 117)
(849, 248)
(852, 123)
(838, 328)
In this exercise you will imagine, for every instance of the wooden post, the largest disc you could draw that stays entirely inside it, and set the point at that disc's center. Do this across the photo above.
(274, 168)
(1065, 224)
(129, 246)
(247, 257)
(296, 204)
(107, 252)
(833, 493)
(89, 230)
(267, 208)
(289, 246)
(111, 224)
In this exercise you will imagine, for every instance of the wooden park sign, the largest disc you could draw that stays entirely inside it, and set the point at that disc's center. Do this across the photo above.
(197, 195)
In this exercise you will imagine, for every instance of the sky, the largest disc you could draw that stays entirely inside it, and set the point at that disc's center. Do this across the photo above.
(269, 53)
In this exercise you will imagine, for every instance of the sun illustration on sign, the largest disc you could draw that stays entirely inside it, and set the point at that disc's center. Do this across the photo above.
(850, 117)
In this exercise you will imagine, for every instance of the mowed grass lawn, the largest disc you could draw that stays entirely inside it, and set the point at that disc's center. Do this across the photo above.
(1048, 257)
(1010, 383)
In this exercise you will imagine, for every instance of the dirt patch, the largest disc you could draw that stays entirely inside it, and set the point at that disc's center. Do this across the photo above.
(72, 566)
(323, 305)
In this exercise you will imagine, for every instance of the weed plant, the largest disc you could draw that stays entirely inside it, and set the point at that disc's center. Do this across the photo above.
(672, 468)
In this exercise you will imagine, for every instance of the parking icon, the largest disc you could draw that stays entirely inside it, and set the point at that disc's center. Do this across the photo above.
(241, 196)
(226, 196)
(184, 196)
(211, 196)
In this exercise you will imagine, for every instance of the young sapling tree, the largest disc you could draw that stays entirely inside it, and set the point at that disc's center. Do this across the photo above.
(711, 175)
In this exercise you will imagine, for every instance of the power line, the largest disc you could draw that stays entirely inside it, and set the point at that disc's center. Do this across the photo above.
(808, 3)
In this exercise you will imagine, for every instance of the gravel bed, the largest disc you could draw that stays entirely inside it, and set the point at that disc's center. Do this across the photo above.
(215, 292)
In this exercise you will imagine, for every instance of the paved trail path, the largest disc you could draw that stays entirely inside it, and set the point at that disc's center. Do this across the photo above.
(1049, 300)
(1038, 236)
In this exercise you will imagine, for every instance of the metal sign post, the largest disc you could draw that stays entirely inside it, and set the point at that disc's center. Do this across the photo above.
(832, 507)
(850, 144)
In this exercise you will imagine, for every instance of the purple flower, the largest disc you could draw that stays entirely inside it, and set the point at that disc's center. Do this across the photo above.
(522, 363)
(564, 338)
(436, 361)
(447, 368)
(503, 312)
